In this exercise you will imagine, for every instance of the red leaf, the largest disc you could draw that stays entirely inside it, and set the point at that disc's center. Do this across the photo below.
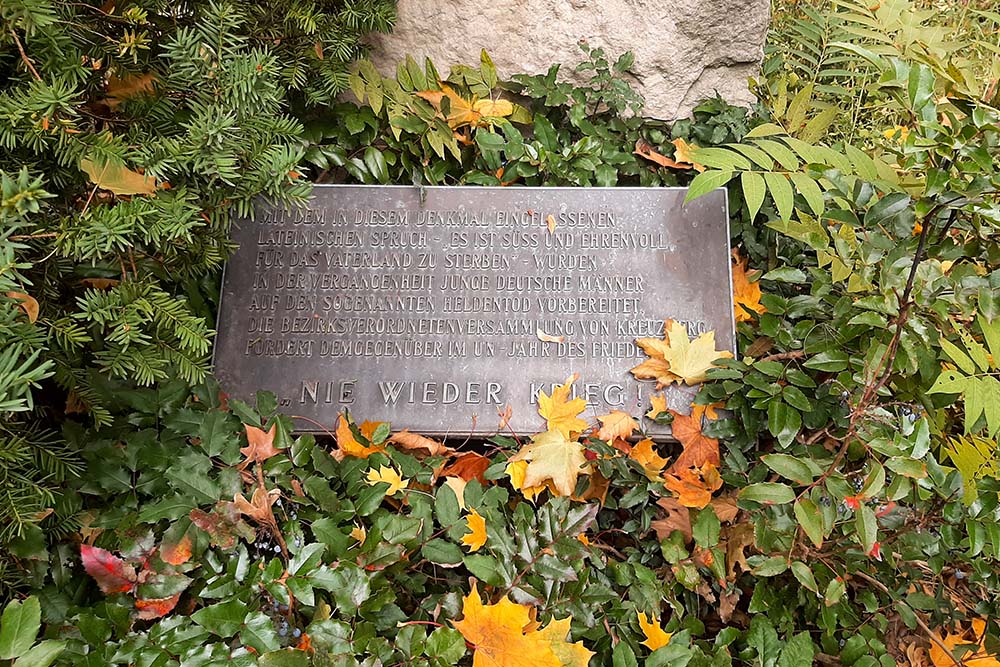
(176, 554)
(156, 607)
(110, 572)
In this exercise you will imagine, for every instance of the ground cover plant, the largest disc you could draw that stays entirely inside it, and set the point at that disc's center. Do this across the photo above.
(843, 510)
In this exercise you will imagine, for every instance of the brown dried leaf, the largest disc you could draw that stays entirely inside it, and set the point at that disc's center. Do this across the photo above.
(260, 444)
(412, 441)
(678, 518)
(468, 466)
(27, 303)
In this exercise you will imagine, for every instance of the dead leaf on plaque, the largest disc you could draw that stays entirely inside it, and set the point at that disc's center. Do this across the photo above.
(546, 338)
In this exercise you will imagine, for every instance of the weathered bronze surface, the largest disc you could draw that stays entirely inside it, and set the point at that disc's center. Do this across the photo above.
(433, 307)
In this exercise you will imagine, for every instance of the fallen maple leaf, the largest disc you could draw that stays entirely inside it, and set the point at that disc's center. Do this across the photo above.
(151, 608)
(683, 152)
(460, 111)
(546, 338)
(359, 533)
(658, 405)
(119, 179)
(112, 574)
(457, 485)
(644, 453)
(494, 108)
(560, 412)
(516, 471)
(693, 487)
(128, 87)
(468, 466)
(552, 456)
(977, 657)
(676, 357)
(678, 518)
(476, 537)
(412, 441)
(725, 508)
(616, 425)
(260, 444)
(258, 507)
(736, 539)
(699, 449)
(347, 445)
(746, 294)
(656, 637)
(27, 303)
(556, 633)
(387, 475)
(505, 635)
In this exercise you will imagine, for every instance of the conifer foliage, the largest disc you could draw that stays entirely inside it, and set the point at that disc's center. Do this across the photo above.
(130, 132)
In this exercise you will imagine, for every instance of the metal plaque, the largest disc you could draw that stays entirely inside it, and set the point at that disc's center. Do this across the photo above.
(435, 308)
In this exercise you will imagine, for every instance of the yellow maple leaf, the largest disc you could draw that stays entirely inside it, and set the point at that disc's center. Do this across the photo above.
(457, 485)
(683, 152)
(389, 476)
(497, 631)
(678, 358)
(978, 657)
(616, 424)
(658, 404)
(347, 445)
(476, 537)
(515, 471)
(552, 457)
(656, 637)
(561, 413)
(359, 533)
(118, 179)
(460, 111)
(693, 487)
(494, 108)
(569, 655)
(746, 294)
(644, 453)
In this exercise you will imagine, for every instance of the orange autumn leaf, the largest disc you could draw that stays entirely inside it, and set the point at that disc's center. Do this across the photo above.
(683, 152)
(644, 453)
(615, 425)
(347, 445)
(746, 294)
(476, 537)
(678, 517)
(468, 466)
(412, 441)
(976, 657)
(699, 449)
(654, 633)
(460, 111)
(27, 303)
(658, 405)
(676, 357)
(133, 85)
(680, 160)
(260, 444)
(560, 412)
(176, 554)
(693, 487)
(258, 507)
(149, 609)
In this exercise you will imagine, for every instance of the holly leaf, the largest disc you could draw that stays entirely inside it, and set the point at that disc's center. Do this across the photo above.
(653, 631)
(112, 574)
(561, 413)
(476, 537)
(699, 449)
(497, 633)
(552, 457)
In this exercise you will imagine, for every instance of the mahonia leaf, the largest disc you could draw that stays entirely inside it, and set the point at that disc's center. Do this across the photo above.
(112, 574)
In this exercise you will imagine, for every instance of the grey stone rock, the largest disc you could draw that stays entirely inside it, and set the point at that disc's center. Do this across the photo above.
(685, 50)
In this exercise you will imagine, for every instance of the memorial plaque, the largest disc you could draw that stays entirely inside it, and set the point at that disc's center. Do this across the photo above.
(435, 308)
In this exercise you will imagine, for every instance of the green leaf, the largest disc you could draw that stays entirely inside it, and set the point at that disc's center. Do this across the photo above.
(288, 657)
(781, 153)
(224, 619)
(810, 191)
(623, 656)
(446, 644)
(786, 274)
(706, 182)
(781, 193)
(720, 158)
(805, 576)
(798, 651)
(991, 332)
(892, 211)
(809, 516)
(831, 361)
(768, 493)
(259, 633)
(348, 583)
(706, 528)
(19, 626)
(789, 467)
(42, 654)
(765, 130)
(754, 190)
(442, 552)
(867, 526)
(783, 421)
(834, 591)
(771, 567)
